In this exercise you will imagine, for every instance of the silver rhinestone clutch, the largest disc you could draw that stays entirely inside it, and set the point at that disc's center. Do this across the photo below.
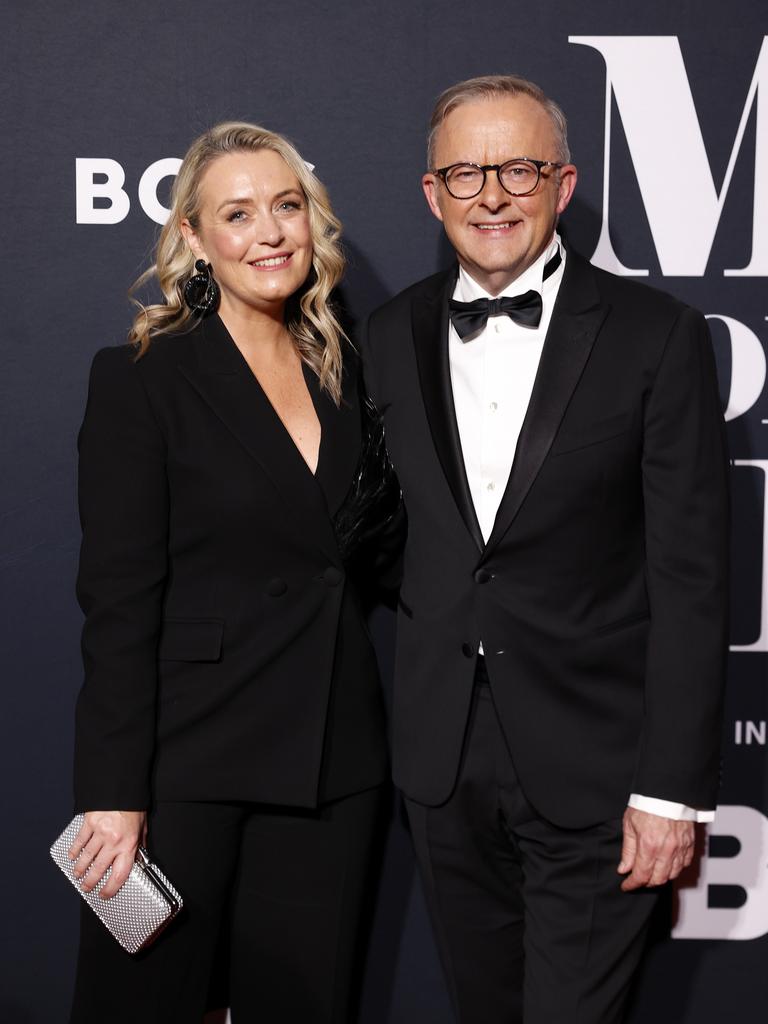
(139, 910)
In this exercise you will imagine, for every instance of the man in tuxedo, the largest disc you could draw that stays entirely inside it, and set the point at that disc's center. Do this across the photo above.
(561, 644)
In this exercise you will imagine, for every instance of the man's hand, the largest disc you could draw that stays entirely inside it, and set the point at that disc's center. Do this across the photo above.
(655, 849)
(107, 839)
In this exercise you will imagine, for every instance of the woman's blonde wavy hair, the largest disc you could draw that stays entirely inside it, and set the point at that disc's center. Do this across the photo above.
(310, 318)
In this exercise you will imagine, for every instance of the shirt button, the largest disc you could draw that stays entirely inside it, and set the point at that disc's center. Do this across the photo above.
(493, 406)
(468, 650)
(497, 328)
(332, 576)
(491, 486)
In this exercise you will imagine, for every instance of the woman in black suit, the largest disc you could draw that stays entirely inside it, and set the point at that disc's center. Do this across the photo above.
(231, 707)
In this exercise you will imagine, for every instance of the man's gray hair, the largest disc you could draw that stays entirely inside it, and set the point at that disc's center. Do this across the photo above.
(488, 87)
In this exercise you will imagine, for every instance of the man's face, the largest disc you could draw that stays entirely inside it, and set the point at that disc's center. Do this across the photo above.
(497, 236)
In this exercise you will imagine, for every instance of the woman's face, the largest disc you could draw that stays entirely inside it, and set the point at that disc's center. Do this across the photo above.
(253, 228)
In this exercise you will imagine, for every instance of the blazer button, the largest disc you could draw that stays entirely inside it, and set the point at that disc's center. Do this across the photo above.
(468, 650)
(332, 576)
(276, 587)
(483, 576)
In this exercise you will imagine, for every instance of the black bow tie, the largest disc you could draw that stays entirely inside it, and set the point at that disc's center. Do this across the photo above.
(470, 317)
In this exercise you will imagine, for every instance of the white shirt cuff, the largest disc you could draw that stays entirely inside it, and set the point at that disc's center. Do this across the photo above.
(669, 809)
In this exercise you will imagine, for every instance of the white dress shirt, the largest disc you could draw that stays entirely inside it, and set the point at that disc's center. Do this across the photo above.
(492, 377)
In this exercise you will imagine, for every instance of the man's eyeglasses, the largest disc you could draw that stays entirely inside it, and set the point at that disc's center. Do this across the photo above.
(518, 177)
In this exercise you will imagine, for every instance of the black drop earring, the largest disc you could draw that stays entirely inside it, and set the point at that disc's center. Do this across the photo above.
(201, 293)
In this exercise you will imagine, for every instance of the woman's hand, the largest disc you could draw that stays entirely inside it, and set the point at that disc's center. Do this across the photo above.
(108, 838)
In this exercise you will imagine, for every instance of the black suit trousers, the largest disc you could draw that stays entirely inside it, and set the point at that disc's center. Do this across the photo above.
(290, 887)
(530, 919)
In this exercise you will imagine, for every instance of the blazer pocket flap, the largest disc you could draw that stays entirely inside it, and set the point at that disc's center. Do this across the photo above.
(191, 640)
(574, 438)
(626, 623)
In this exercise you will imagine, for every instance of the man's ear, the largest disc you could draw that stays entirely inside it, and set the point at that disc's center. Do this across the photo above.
(566, 186)
(430, 186)
(192, 239)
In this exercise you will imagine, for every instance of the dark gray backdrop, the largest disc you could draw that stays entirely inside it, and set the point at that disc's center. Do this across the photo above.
(352, 85)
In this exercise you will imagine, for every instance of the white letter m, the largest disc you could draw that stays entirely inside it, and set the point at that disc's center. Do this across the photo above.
(647, 76)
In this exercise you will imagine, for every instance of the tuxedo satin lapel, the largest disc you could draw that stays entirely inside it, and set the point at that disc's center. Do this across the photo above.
(576, 321)
(429, 322)
(223, 379)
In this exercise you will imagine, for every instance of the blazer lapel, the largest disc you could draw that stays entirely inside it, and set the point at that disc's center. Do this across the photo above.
(576, 320)
(429, 321)
(341, 441)
(222, 377)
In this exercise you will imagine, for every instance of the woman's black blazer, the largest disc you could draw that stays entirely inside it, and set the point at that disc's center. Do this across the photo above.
(220, 626)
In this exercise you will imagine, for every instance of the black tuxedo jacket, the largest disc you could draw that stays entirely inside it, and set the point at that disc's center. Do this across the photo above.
(219, 623)
(600, 597)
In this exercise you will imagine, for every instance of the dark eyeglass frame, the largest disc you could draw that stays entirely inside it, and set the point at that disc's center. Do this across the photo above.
(442, 173)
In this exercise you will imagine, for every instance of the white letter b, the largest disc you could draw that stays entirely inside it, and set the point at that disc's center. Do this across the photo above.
(87, 190)
(745, 870)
